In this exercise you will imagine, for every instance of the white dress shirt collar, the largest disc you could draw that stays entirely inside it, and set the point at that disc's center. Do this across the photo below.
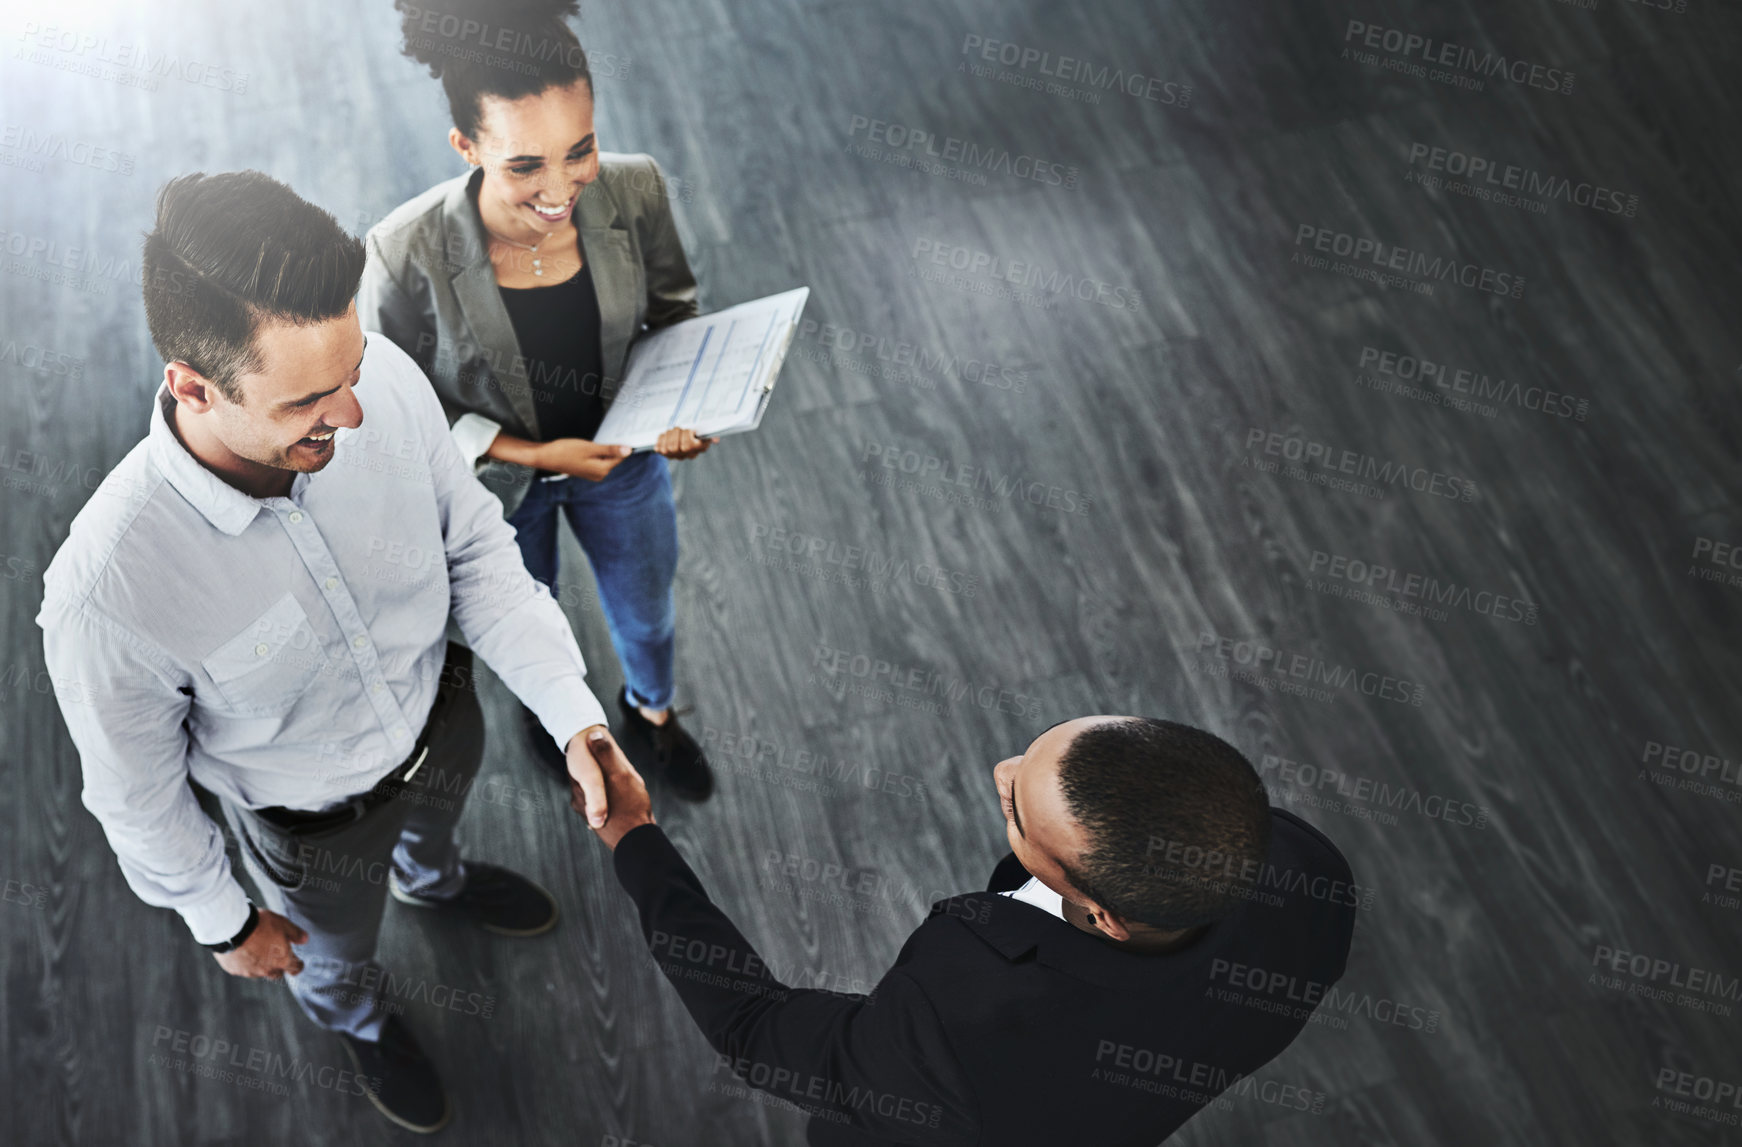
(226, 507)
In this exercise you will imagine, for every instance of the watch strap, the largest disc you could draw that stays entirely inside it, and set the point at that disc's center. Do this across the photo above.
(241, 937)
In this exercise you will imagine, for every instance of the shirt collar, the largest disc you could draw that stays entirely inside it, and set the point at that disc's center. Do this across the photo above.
(224, 506)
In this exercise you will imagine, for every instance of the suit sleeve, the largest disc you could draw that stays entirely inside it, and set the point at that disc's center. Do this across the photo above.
(881, 1064)
(671, 285)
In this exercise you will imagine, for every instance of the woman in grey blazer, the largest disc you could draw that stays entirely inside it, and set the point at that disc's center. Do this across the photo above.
(518, 288)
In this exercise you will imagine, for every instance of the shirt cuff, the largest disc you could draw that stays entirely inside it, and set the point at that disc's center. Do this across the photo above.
(221, 917)
(473, 434)
(567, 715)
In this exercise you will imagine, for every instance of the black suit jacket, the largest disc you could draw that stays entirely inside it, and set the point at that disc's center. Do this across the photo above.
(1001, 1023)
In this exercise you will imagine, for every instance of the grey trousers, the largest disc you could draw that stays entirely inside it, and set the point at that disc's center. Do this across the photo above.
(333, 883)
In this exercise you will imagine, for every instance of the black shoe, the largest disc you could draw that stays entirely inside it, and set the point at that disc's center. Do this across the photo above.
(544, 747)
(494, 899)
(677, 759)
(399, 1079)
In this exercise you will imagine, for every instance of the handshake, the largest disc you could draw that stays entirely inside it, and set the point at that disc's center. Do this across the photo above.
(604, 787)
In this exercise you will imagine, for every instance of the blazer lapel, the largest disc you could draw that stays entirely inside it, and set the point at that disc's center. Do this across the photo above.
(616, 279)
(474, 286)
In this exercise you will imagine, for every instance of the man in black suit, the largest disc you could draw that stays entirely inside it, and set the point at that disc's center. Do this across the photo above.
(1157, 934)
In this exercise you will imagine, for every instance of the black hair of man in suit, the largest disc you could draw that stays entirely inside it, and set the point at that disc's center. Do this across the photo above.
(1148, 829)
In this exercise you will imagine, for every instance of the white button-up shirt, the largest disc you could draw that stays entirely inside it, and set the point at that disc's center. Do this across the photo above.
(283, 651)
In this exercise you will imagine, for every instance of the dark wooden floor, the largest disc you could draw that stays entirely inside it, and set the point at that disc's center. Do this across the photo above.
(1483, 1008)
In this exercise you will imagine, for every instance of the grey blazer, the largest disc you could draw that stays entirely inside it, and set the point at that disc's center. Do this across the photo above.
(428, 285)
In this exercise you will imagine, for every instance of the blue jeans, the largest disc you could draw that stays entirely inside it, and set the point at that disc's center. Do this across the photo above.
(627, 524)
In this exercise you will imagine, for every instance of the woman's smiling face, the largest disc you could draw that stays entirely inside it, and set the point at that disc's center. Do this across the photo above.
(538, 153)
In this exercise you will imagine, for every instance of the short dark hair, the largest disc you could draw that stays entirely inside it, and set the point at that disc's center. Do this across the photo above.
(1178, 821)
(503, 48)
(230, 251)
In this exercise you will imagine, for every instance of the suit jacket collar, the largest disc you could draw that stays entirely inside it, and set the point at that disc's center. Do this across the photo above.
(1019, 932)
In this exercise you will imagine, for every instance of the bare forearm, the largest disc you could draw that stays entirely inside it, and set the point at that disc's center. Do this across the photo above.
(519, 451)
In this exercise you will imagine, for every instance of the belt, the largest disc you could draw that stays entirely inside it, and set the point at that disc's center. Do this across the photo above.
(353, 809)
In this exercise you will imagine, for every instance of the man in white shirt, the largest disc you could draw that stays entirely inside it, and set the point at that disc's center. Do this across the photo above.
(258, 596)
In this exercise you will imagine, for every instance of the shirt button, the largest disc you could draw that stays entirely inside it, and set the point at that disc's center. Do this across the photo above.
(359, 641)
(262, 649)
(332, 583)
(399, 732)
(375, 688)
(296, 515)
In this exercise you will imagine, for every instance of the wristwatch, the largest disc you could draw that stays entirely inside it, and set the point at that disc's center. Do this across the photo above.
(241, 937)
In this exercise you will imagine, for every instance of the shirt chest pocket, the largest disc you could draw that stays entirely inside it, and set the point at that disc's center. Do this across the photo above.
(264, 669)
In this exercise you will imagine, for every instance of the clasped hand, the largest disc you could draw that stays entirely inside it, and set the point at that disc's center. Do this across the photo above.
(605, 788)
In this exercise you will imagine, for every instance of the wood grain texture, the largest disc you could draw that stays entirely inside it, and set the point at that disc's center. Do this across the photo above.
(1139, 416)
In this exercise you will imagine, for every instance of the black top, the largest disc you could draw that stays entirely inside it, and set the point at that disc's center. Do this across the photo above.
(1001, 1023)
(558, 329)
